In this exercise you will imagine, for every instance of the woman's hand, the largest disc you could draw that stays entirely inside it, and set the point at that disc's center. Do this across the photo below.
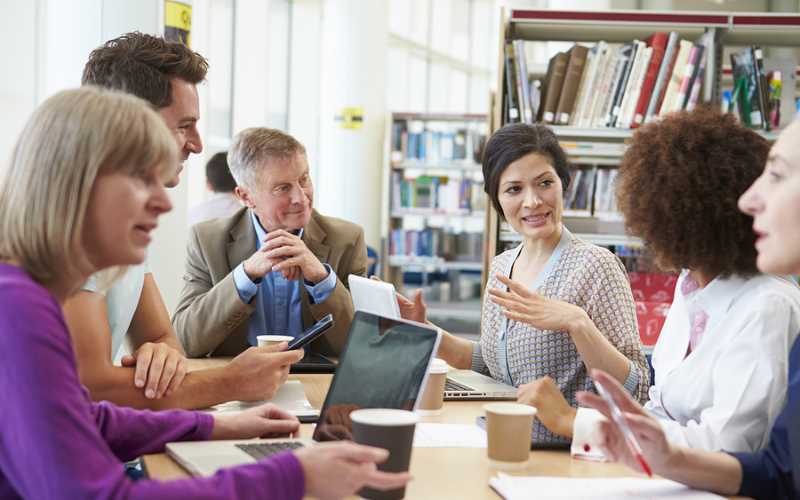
(657, 451)
(265, 421)
(520, 304)
(551, 407)
(337, 470)
(160, 369)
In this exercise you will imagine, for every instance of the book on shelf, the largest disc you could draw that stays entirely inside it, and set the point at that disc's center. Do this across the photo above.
(438, 194)
(605, 200)
(757, 96)
(566, 101)
(436, 244)
(578, 198)
(432, 142)
(658, 44)
(556, 71)
(607, 85)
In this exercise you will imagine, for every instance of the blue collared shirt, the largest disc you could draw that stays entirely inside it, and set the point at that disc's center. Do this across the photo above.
(277, 300)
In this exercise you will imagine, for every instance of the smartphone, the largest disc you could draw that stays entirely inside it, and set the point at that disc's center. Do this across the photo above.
(312, 333)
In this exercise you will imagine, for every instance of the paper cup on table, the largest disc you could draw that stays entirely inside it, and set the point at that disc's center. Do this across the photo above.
(508, 431)
(392, 430)
(272, 339)
(432, 398)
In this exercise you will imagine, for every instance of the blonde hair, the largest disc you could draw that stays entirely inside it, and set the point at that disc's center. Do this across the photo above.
(71, 139)
(255, 145)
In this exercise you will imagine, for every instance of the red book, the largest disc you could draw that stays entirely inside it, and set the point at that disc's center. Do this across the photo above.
(658, 41)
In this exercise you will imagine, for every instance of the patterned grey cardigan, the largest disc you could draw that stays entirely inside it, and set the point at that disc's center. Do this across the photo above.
(516, 353)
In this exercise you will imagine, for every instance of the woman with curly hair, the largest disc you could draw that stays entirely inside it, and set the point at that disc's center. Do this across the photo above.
(720, 360)
(557, 306)
(774, 472)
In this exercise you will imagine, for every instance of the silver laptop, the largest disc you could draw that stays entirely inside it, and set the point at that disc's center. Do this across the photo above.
(467, 384)
(384, 365)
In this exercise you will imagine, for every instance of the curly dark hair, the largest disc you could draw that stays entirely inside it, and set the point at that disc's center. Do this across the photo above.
(678, 187)
(143, 65)
(510, 143)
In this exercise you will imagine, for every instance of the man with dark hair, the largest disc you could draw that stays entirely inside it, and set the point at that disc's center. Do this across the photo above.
(223, 203)
(165, 74)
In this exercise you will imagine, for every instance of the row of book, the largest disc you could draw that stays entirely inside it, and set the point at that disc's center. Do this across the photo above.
(756, 94)
(592, 192)
(432, 142)
(610, 85)
(441, 194)
(437, 242)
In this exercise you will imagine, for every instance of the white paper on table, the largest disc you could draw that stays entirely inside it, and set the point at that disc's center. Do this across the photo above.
(290, 397)
(524, 487)
(430, 435)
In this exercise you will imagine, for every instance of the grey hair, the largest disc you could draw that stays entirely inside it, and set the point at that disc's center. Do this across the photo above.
(253, 146)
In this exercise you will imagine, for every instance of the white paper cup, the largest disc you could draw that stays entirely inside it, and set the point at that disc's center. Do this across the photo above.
(272, 339)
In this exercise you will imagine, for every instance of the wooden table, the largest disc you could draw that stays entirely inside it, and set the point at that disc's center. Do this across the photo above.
(438, 472)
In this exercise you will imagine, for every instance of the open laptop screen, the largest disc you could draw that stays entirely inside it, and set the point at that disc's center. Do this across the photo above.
(384, 365)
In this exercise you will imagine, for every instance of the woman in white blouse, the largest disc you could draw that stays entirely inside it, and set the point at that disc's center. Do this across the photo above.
(721, 358)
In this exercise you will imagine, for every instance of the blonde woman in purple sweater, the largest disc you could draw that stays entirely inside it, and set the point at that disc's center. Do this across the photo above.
(83, 192)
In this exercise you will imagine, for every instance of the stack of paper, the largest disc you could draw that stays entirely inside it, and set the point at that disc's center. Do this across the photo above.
(290, 397)
(524, 487)
(429, 435)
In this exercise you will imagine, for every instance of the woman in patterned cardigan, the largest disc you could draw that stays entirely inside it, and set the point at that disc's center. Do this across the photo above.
(569, 307)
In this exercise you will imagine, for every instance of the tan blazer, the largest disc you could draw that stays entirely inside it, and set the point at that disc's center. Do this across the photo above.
(212, 320)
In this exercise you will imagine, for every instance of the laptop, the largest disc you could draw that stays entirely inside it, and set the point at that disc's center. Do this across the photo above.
(467, 384)
(384, 365)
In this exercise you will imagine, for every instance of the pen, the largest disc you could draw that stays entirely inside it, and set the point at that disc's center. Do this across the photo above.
(616, 416)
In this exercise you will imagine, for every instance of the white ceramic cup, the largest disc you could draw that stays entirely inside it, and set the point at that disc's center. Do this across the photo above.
(272, 339)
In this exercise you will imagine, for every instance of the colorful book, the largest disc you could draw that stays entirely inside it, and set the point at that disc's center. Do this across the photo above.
(658, 43)
(678, 70)
(662, 79)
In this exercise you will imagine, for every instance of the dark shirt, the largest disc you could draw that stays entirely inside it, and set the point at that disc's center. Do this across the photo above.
(774, 472)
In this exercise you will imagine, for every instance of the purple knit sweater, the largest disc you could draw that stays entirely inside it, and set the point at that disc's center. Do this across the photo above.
(56, 443)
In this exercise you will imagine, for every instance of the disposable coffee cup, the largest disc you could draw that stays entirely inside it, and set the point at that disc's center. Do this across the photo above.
(392, 430)
(272, 339)
(508, 431)
(432, 398)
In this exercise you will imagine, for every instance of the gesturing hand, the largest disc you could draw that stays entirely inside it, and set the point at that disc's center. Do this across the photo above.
(337, 470)
(551, 407)
(160, 369)
(520, 304)
(655, 447)
(264, 421)
(291, 254)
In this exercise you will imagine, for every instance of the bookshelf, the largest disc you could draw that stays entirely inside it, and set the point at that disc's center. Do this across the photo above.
(596, 151)
(435, 212)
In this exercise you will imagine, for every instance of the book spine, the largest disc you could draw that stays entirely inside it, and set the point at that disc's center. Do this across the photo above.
(664, 73)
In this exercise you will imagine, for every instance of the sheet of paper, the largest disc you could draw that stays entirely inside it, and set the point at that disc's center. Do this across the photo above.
(525, 487)
(429, 435)
(290, 397)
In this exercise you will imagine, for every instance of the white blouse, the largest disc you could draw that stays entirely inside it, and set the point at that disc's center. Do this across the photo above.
(727, 392)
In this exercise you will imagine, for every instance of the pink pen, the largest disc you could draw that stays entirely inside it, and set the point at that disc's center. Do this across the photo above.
(619, 420)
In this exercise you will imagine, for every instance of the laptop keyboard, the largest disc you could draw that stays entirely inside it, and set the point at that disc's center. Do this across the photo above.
(261, 450)
(449, 385)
